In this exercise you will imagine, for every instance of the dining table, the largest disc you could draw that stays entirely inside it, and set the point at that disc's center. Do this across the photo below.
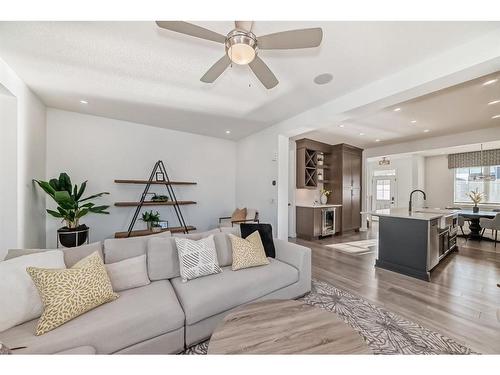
(473, 217)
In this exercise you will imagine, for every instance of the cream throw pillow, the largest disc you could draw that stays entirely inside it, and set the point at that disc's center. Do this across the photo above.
(68, 293)
(19, 298)
(248, 252)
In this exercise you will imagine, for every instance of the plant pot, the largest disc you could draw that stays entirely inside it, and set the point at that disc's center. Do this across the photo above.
(323, 199)
(72, 237)
(475, 209)
(156, 229)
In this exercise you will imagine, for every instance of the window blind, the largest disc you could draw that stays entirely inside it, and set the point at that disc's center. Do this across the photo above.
(474, 159)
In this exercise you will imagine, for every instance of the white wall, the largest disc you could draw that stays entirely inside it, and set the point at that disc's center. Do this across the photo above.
(438, 181)
(8, 166)
(257, 161)
(100, 150)
(31, 141)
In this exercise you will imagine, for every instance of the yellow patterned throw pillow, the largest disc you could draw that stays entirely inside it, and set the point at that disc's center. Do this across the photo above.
(68, 293)
(248, 252)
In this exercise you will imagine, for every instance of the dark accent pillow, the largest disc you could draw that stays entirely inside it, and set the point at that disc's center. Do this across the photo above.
(266, 235)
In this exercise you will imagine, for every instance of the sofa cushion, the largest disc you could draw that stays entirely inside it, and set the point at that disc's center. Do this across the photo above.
(19, 298)
(197, 258)
(138, 315)
(68, 293)
(197, 236)
(248, 252)
(224, 249)
(163, 261)
(206, 296)
(72, 255)
(116, 249)
(128, 273)
(266, 235)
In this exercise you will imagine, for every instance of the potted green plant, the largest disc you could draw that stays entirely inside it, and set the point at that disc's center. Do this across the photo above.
(71, 207)
(324, 195)
(159, 198)
(152, 220)
(476, 197)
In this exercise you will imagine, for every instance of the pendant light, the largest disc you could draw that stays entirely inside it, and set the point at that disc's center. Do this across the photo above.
(481, 176)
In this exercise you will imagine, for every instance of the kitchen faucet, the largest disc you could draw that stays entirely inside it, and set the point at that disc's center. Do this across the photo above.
(411, 194)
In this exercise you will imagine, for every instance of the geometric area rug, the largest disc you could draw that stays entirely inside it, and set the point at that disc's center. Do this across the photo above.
(384, 331)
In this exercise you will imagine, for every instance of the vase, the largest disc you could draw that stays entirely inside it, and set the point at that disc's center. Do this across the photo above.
(475, 209)
(323, 199)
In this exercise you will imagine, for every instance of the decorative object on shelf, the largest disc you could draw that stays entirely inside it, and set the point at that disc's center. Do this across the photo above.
(320, 159)
(70, 208)
(160, 177)
(159, 198)
(384, 161)
(152, 220)
(158, 171)
(320, 176)
(324, 193)
(163, 224)
(476, 197)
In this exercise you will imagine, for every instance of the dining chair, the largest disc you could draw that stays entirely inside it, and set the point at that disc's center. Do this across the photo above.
(493, 224)
(460, 220)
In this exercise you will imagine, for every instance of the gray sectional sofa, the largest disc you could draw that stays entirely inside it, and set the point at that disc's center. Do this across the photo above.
(167, 315)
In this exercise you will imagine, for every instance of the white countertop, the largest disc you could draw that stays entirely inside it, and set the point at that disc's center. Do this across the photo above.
(318, 205)
(418, 214)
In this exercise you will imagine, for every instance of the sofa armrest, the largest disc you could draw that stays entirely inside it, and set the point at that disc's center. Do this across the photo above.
(297, 256)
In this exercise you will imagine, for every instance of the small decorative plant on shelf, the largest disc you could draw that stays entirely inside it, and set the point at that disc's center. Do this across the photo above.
(476, 197)
(324, 193)
(159, 198)
(152, 220)
(71, 207)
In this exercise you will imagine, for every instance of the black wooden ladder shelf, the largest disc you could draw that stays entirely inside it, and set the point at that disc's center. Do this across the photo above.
(158, 176)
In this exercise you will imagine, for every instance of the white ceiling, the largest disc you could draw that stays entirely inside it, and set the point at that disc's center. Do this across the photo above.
(137, 72)
(456, 109)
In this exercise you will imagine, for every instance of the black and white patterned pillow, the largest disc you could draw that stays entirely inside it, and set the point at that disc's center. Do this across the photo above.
(197, 258)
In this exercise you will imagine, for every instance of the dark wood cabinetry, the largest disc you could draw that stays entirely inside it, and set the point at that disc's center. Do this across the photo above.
(312, 167)
(340, 171)
(346, 183)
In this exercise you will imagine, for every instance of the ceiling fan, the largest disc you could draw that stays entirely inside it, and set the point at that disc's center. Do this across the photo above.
(242, 46)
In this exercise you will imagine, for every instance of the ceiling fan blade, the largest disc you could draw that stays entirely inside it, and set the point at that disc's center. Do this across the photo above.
(216, 70)
(263, 73)
(193, 30)
(243, 25)
(292, 39)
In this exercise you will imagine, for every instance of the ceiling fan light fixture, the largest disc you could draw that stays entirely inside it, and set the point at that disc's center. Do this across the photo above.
(241, 47)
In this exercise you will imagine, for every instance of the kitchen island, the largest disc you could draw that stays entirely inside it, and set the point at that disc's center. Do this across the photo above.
(414, 243)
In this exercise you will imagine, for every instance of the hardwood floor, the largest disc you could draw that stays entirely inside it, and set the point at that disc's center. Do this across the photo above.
(461, 301)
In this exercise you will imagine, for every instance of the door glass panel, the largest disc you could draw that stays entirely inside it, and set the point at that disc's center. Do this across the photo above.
(383, 190)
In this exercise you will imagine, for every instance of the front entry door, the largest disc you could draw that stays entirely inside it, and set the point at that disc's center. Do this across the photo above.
(384, 192)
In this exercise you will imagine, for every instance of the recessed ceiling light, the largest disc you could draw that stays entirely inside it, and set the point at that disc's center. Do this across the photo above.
(413, 121)
(377, 140)
(397, 109)
(494, 102)
(341, 125)
(496, 116)
(228, 131)
(361, 133)
(426, 131)
(323, 79)
(490, 82)
(84, 101)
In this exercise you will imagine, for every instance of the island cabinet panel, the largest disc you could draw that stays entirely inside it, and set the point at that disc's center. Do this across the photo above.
(403, 246)
(346, 164)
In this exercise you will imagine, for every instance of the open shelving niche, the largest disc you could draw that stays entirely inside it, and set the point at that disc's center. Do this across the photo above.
(183, 228)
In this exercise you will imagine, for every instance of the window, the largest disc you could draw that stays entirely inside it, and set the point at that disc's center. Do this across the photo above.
(384, 172)
(383, 190)
(465, 183)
